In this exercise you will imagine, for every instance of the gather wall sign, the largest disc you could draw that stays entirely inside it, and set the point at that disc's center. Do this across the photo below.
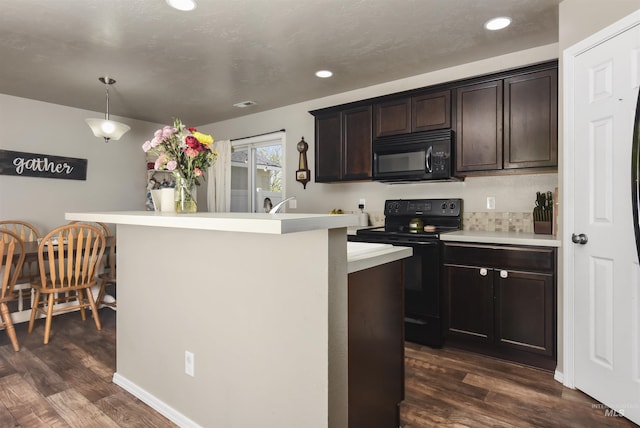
(41, 165)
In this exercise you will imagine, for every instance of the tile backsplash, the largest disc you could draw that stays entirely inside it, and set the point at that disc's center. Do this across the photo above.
(483, 221)
(498, 221)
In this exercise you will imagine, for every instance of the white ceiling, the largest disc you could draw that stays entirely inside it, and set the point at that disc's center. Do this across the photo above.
(196, 65)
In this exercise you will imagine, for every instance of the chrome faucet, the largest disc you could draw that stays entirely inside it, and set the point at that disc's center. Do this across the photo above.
(279, 205)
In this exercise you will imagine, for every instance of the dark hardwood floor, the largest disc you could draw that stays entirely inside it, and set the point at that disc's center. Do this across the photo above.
(68, 384)
(454, 388)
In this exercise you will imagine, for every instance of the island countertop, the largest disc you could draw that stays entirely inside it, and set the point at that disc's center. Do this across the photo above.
(364, 255)
(226, 222)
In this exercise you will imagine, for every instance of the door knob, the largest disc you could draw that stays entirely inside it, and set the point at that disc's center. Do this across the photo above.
(579, 239)
(483, 272)
(504, 274)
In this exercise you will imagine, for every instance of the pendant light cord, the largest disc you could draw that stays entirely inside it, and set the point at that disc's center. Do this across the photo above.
(106, 115)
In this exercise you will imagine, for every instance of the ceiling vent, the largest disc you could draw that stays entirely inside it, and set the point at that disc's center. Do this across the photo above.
(244, 104)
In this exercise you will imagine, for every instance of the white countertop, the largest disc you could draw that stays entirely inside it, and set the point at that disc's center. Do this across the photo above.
(511, 238)
(365, 255)
(229, 222)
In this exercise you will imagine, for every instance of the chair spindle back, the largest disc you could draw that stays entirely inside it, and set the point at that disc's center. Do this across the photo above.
(73, 253)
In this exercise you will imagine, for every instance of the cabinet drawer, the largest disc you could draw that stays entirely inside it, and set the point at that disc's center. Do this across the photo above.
(539, 259)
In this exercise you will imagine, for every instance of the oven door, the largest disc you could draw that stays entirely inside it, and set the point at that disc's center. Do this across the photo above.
(423, 295)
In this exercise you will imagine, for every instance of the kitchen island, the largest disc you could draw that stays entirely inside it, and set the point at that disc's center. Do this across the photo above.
(257, 304)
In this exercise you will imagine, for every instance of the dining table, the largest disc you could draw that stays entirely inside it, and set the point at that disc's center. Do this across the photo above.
(31, 249)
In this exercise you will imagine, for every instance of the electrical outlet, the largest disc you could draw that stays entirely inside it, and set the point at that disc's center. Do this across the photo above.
(189, 363)
(491, 202)
(293, 203)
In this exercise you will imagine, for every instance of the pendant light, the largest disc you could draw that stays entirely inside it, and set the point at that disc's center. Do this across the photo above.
(106, 128)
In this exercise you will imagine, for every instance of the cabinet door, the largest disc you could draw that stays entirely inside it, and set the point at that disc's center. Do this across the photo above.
(392, 117)
(524, 312)
(356, 140)
(469, 302)
(328, 148)
(376, 346)
(431, 111)
(479, 127)
(531, 120)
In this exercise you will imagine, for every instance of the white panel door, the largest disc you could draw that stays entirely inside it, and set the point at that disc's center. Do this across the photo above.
(605, 275)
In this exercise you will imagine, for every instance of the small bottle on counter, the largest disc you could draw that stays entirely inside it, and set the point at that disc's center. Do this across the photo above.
(363, 219)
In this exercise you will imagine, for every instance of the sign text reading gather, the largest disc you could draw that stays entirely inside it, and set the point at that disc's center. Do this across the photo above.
(41, 165)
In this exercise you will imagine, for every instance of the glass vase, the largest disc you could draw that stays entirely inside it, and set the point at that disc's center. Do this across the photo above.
(185, 195)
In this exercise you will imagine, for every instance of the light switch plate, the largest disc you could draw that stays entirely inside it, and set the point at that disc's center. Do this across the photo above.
(293, 203)
(189, 363)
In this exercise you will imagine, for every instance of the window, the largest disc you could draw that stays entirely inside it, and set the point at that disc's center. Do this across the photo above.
(257, 176)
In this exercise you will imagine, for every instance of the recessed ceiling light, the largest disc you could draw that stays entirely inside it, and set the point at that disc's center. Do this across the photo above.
(244, 104)
(497, 23)
(323, 74)
(184, 5)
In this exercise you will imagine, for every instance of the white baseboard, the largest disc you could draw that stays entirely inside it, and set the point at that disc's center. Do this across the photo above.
(159, 406)
(559, 376)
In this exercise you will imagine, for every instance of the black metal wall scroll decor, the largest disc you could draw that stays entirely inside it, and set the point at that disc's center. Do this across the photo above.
(40, 165)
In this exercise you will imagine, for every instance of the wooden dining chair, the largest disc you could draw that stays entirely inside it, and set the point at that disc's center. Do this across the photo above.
(12, 258)
(102, 226)
(68, 258)
(106, 272)
(28, 233)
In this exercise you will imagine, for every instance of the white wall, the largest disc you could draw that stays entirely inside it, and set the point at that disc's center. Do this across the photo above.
(515, 193)
(115, 171)
(581, 18)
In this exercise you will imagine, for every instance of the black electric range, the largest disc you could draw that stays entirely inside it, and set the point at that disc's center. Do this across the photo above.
(422, 284)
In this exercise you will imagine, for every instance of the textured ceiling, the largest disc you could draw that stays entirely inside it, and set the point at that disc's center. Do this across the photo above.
(196, 65)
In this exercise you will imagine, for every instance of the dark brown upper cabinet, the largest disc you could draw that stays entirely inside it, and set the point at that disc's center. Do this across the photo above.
(531, 120)
(420, 112)
(505, 122)
(431, 111)
(392, 117)
(479, 127)
(328, 148)
(343, 145)
(356, 143)
(508, 124)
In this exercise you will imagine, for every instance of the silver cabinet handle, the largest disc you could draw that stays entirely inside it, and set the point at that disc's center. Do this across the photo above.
(579, 239)
(504, 274)
(483, 272)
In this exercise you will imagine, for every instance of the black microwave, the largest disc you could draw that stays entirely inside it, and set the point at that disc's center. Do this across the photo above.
(419, 156)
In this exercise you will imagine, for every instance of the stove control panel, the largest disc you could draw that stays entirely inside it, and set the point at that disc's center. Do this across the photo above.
(423, 207)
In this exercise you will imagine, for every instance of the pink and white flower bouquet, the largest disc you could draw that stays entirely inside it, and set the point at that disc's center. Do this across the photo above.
(183, 150)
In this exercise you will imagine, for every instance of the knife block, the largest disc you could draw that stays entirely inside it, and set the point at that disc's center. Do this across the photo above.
(542, 227)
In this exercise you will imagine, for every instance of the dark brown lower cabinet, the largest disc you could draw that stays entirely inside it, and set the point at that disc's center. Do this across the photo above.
(500, 300)
(376, 346)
